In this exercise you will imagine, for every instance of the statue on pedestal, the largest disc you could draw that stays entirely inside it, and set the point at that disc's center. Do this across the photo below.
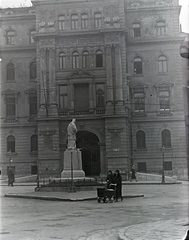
(72, 156)
(72, 130)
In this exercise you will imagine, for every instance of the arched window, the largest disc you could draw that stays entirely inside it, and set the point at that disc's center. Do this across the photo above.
(136, 29)
(99, 58)
(162, 64)
(138, 65)
(85, 59)
(33, 71)
(10, 72)
(34, 143)
(75, 60)
(166, 138)
(11, 144)
(10, 37)
(141, 140)
(62, 60)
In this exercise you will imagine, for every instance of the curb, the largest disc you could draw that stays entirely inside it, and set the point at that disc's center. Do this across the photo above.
(20, 185)
(151, 183)
(124, 183)
(47, 198)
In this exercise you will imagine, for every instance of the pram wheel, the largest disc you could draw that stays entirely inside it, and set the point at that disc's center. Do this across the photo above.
(99, 200)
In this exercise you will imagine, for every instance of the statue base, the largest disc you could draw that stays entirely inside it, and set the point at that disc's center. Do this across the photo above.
(72, 164)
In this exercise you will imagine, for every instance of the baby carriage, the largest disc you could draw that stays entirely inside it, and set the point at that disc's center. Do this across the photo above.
(106, 195)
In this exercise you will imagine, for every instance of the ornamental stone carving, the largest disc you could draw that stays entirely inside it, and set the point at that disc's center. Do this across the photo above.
(117, 49)
(113, 38)
(108, 49)
(47, 42)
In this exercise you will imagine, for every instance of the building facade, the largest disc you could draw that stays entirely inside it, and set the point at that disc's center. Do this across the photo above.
(114, 65)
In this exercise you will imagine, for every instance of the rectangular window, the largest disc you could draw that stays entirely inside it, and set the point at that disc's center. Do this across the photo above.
(100, 98)
(10, 106)
(160, 28)
(98, 20)
(141, 167)
(33, 170)
(62, 61)
(139, 102)
(10, 37)
(74, 21)
(136, 30)
(32, 40)
(33, 104)
(81, 97)
(84, 21)
(168, 166)
(164, 100)
(63, 97)
(61, 23)
(138, 66)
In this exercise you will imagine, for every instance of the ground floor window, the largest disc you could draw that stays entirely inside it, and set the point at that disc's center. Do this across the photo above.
(168, 166)
(141, 167)
(33, 170)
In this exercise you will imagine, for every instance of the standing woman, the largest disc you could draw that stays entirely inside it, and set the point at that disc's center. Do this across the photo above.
(118, 181)
(133, 173)
(109, 179)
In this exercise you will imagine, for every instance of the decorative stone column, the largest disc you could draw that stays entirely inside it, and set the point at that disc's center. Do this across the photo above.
(103, 161)
(109, 81)
(71, 97)
(43, 83)
(118, 80)
(91, 97)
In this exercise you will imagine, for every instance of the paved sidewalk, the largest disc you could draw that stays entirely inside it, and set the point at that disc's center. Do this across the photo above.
(62, 196)
(162, 230)
(71, 196)
(5, 181)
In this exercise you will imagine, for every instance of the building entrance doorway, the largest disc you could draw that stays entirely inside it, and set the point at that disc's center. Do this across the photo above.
(89, 144)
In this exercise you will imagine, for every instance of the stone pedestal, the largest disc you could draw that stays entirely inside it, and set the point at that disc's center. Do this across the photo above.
(73, 156)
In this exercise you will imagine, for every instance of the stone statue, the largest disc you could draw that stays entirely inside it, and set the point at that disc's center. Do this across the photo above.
(72, 130)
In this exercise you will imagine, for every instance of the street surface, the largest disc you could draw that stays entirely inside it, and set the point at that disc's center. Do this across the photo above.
(163, 207)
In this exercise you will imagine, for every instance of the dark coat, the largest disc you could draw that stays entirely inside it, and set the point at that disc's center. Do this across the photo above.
(118, 181)
(133, 173)
(10, 176)
(109, 180)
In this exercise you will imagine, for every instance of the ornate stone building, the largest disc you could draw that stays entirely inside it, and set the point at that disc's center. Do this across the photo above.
(114, 65)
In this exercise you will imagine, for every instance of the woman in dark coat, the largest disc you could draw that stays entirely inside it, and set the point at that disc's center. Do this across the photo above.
(10, 177)
(109, 179)
(133, 174)
(118, 181)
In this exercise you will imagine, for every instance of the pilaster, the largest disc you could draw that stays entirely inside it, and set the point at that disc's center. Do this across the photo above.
(118, 81)
(109, 81)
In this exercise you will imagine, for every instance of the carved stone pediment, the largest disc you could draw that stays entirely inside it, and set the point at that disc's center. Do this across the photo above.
(31, 90)
(10, 91)
(81, 74)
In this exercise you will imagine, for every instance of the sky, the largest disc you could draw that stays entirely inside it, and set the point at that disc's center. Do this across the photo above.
(184, 16)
